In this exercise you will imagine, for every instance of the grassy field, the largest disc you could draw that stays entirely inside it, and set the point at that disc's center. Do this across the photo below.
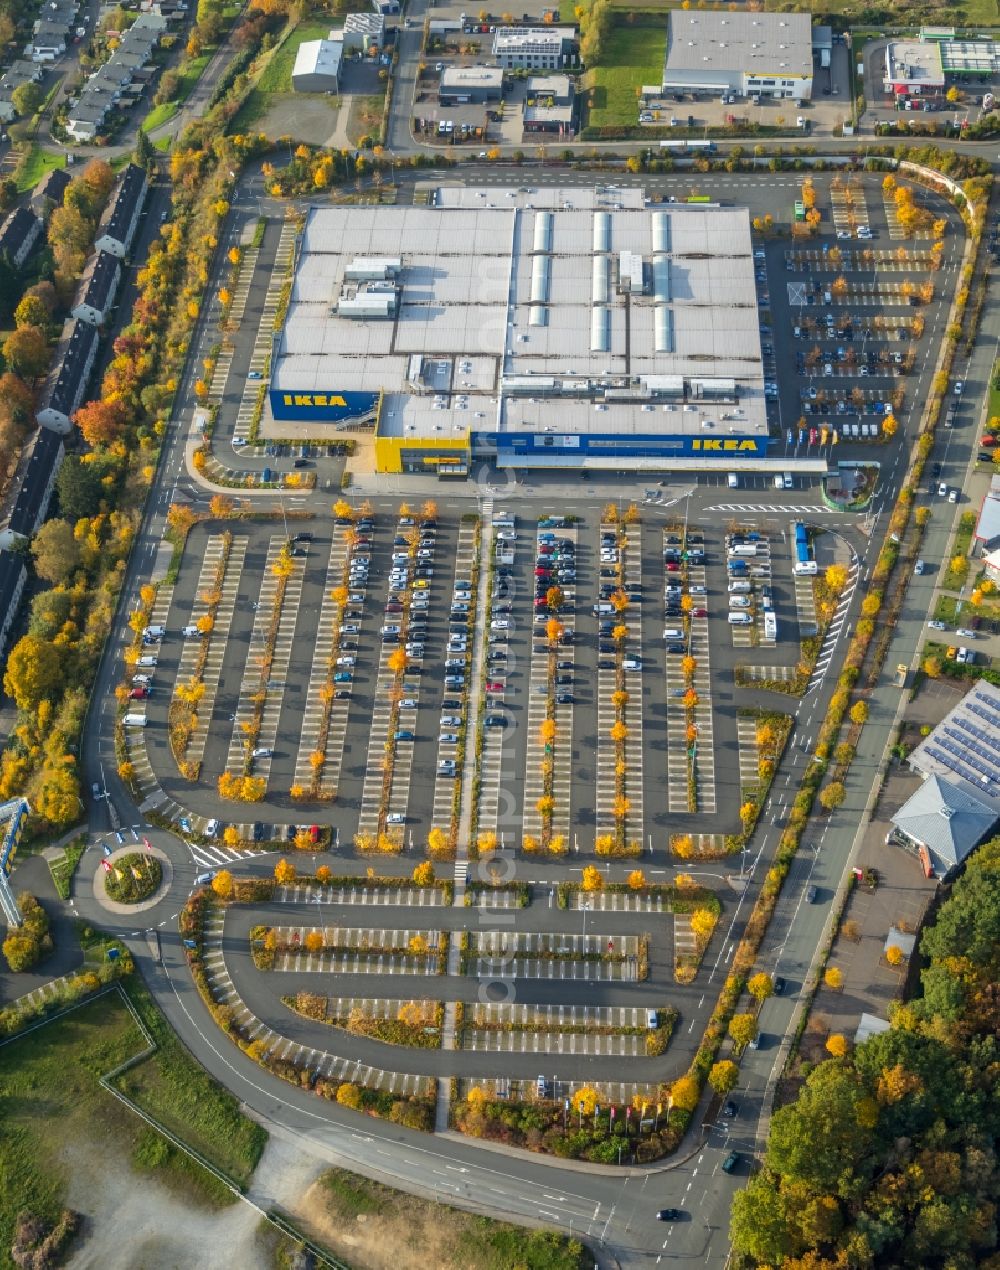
(430, 1234)
(55, 1112)
(37, 164)
(160, 115)
(277, 76)
(632, 56)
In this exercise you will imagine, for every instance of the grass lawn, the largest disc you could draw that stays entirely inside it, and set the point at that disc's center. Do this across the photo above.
(446, 1238)
(35, 166)
(632, 56)
(277, 76)
(994, 407)
(189, 74)
(63, 868)
(55, 1113)
(365, 116)
(160, 115)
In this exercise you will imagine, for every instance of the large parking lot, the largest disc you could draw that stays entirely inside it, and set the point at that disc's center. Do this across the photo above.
(333, 670)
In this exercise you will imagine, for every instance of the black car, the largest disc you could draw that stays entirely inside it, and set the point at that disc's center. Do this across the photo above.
(303, 538)
(731, 1163)
(564, 679)
(668, 1214)
(258, 832)
(605, 664)
(730, 1109)
(564, 698)
(564, 665)
(936, 470)
(302, 463)
(779, 985)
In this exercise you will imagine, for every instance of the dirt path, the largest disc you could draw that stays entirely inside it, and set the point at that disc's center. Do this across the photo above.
(131, 1220)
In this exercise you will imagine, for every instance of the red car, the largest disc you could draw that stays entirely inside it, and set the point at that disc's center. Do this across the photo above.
(542, 572)
(673, 567)
(700, 613)
(139, 694)
(494, 685)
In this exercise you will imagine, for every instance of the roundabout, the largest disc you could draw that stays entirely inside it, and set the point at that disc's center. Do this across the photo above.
(130, 881)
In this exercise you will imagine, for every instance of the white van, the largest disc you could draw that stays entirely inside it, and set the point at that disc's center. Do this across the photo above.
(673, 632)
(733, 481)
(743, 549)
(503, 520)
(154, 632)
(739, 618)
(779, 481)
(604, 610)
(134, 720)
(739, 586)
(146, 661)
(803, 567)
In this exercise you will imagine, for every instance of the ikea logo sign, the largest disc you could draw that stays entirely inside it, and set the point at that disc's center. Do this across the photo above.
(738, 447)
(311, 399)
(322, 407)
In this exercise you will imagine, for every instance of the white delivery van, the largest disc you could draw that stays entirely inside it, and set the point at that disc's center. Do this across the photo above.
(733, 481)
(739, 586)
(805, 567)
(673, 632)
(743, 549)
(134, 720)
(739, 618)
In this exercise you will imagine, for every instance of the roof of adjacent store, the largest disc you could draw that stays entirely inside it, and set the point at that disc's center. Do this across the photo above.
(754, 42)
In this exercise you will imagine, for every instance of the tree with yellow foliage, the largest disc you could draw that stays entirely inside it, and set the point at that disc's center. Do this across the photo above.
(423, 874)
(592, 880)
(684, 1093)
(418, 945)
(584, 1101)
(222, 885)
(837, 1045)
(636, 880)
(833, 977)
(284, 872)
(313, 942)
(437, 841)
(703, 923)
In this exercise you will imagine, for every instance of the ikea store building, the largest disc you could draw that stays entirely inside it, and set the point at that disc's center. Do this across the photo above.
(543, 328)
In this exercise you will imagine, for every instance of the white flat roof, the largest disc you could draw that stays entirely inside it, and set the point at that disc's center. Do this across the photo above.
(778, 44)
(913, 62)
(318, 57)
(482, 266)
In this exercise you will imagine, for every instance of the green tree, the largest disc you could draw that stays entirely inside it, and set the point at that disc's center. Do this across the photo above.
(821, 1140)
(31, 312)
(80, 485)
(759, 1225)
(26, 352)
(27, 97)
(55, 551)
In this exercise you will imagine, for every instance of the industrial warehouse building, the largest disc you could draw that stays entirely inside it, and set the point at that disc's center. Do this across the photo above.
(542, 328)
(752, 54)
(317, 66)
